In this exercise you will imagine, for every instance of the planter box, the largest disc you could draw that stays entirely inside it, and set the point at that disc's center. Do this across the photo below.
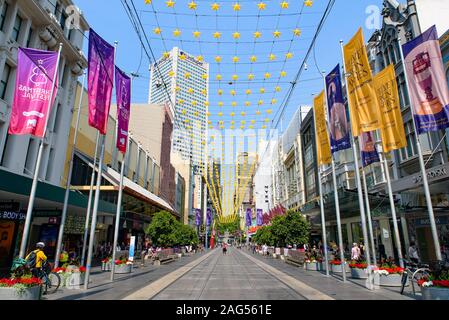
(123, 268)
(106, 266)
(435, 293)
(338, 268)
(392, 280)
(74, 280)
(314, 266)
(357, 273)
(33, 293)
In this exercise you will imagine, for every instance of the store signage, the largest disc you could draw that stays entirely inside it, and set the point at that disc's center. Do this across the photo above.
(10, 206)
(431, 174)
(10, 215)
(425, 222)
(132, 245)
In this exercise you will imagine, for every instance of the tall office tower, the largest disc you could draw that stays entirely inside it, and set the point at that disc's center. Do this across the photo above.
(182, 79)
(246, 162)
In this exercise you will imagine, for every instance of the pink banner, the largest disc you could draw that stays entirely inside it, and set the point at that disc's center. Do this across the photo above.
(35, 72)
(100, 78)
(123, 93)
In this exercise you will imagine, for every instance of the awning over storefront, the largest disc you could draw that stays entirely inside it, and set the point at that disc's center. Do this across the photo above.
(14, 187)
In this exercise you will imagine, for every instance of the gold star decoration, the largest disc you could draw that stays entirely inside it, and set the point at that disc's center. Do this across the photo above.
(277, 89)
(273, 101)
(232, 92)
(247, 103)
(194, 103)
(220, 92)
(215, 6)
(260, 102)
(262, 90)
(234, 103)
(269, 111)
(182, 57)
(267, 75)
(235, 59)
(242, 113)
(148, 1)
(220, 114)
(200, 58)
(253, 58)
(196, 34)
(217, 35)
(235, 77)
(288, 55)
(297, 32)
(284, 5)
(170, 3)
(217, 59)
(236, 35)
(207, 103)
(262, 5)
(218, 77)
(184, 111)
(232, 113)
(258, 112)
(277, 34)
(190, 90)
(166, 54)
(236, 6)
(193, 5)
(283, 74)
(157, 30)
(248, 91)
(177, 89)
(257, 34)
(272, 57)
(187, 75)
(171, 73)
(220, 103)
(250, 76)
(177, 32)
(204, 76)
(308, 3)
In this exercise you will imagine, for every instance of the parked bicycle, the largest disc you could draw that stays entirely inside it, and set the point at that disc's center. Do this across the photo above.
(51, 280)
(414, 272)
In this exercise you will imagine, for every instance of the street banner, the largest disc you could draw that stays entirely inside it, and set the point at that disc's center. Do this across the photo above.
(259, 217)
(368, 149)
(429, 93)
(338, 122)
(132, 246)
(392, 129)
(249, 217)
(208, 216)
(198, 219)
(363, 107)
(322, 138)
(123, 94)
(34, 81)
(100, 81)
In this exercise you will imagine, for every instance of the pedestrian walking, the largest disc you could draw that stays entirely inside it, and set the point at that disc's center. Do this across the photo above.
(413, 252)
(224, 248)
(355, 252)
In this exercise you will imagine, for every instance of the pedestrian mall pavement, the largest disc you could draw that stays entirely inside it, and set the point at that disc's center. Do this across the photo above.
(238, 275)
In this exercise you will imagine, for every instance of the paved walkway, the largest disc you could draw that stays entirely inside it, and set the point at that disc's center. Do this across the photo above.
(101, 288)
(238, 275)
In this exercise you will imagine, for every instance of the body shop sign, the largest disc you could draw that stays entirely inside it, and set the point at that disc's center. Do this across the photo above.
(9, 215)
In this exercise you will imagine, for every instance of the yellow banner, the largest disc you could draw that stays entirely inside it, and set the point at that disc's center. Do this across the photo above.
(363, 106)
(322, 138)
(392, 129)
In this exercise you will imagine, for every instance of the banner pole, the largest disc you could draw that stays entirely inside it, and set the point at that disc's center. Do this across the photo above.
(69, 178)
(358, 181)
(334, 179)
(26, 228)
(368, 215)
(89, 202)
(433, 226)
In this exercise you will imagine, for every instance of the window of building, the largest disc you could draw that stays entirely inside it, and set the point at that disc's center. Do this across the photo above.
(51, 159)
(29, 163)
(16, 28)
(63, 19)
(2, 162)
(30, 35)
(3, 13)
(4, 81)
(409, 151)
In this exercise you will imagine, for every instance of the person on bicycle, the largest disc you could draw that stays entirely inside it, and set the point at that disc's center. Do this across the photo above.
(36, 259)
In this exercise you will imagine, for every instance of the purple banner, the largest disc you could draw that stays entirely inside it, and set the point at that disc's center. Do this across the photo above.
(259, 217)
(34, 81)
(208, 216)
(429, 93)
(338, 122)
(249, 217)
(123, 94)
(368, 149)
(198, 218)
(100, 81)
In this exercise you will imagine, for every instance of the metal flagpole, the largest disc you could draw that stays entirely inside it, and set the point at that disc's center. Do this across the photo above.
(433, 225)
(384, 163)
(26, 228)
(96, 201)
(69, 178)
(118, 211)
(359, 184)
(334, 178)
(89, 202)
(368, 215)
(323, 218)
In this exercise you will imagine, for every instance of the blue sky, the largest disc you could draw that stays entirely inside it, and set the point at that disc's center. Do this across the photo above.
(109, 19)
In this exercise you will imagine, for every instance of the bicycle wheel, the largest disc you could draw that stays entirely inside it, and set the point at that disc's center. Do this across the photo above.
(53, 282)
(404, 281)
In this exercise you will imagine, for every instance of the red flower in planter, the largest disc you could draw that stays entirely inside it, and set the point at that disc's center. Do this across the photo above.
(358, 265)
(393, 270)
(335, 262)
(82, 269)
(29, 282)
(58, 270)
(118, 262)
(441, 283)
